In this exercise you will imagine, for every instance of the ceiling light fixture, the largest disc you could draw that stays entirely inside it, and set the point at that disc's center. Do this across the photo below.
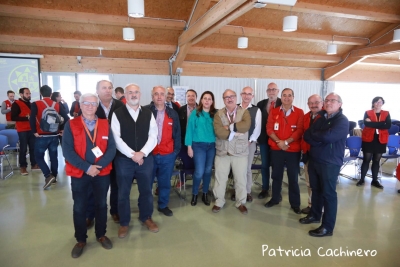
(243, 41)
(279, 2)
(290, 23)
(259, 5)
(136, 8)
(396, 36)
(332, 48)
(128, 34)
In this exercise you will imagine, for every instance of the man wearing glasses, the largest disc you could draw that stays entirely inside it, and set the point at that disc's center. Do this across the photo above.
(231, 126)
(327, 138)
(254, 131)
(266, 106)
(170, 100)
(89, 148)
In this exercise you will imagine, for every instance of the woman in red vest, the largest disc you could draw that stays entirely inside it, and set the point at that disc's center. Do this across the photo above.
(375, 136)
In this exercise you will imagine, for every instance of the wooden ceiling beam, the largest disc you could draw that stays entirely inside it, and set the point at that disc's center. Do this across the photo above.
(199, 10)
(183, 50)
(218, 12)
(84, 44)
(333, 71)
(83, 17)
(376, 50)
(340, 12)
(204, 51)
(380, 62)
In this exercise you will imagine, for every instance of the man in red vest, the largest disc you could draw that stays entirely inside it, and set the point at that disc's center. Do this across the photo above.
(46, 140)
(6, 108)
(75, 107)
(119, 94)
(167, 148)
(20, 112)
(89, 148)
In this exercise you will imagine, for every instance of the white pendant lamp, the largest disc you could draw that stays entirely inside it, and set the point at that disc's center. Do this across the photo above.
(332, 49)
(243, 42)
(290, 23)
(136, 8)
(396, 36)
(128, 34)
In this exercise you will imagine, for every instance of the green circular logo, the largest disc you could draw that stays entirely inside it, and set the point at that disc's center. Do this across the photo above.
(24, 76)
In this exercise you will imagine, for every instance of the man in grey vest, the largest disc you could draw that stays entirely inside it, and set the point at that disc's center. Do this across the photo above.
(255, 129)
(231, 126)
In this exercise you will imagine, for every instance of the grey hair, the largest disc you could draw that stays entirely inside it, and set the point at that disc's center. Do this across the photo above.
(131, 84)
(334, 94)
(159, 86)
(98, 84)
(228, 90)
(88, 95)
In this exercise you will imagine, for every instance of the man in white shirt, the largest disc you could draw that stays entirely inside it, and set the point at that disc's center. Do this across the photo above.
(135, 133)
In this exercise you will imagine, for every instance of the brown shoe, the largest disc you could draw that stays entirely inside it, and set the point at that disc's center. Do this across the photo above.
(216, 209)
(89, 223)
(35, 168)
(242, 209)
(123, 231)
(49, 180)
(115, 217)
(23, 171)
(105, 242)
(249, 198)
(152, 226)
(78, 249)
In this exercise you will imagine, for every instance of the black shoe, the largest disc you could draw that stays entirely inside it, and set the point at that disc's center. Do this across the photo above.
(320, 232)
(78, 249)
(205, 199)
(194, 200)
(296, 210)
(263, 194)
(233, 196)
(306, 210)
(398, 191)
(308, 219)
(48, 181)
(376, 184)
(105, 242)
(270, 204)
(166, 211)
(360, 182)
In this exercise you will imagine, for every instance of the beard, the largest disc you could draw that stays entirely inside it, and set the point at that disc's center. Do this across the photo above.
(133, 102)
(27, 99)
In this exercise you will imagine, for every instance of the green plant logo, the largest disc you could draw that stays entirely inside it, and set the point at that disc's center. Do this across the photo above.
(24, 76)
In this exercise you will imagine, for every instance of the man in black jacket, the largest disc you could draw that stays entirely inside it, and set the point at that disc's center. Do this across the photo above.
(265, 106)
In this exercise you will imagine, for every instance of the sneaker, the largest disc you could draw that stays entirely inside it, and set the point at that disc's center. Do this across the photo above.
(35, 168)
(55, 181)
(48, 181)
(23, 171)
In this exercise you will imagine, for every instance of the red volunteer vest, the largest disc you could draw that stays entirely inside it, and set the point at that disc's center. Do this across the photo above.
(79, 135)
(166, 146)
(368, 133)
(41, 106)
(8, 106)
(77, 107)
(23, 126)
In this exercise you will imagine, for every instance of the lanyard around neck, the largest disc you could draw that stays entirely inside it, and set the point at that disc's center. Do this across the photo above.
(88, 133)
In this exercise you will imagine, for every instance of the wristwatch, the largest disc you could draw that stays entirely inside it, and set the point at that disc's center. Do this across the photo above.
(286, 143)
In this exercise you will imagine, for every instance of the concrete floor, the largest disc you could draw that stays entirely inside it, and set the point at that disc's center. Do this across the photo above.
(36, 229)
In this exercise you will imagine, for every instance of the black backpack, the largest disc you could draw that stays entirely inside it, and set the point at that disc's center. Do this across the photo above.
(51, 120)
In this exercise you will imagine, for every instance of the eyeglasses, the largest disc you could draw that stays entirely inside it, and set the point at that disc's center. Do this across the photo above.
(229, 97)
(86, 103)
(331, 101)
(379, 102)
(244, 94)
(272, 89)
(314, 103)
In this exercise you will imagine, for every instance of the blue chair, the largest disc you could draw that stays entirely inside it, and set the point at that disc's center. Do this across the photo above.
(393, 150)
(394, 129)
(2, 126)
(353, 144)
(3, 155)
(13, 141)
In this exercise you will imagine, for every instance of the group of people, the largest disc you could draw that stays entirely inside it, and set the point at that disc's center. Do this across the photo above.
(110, 142)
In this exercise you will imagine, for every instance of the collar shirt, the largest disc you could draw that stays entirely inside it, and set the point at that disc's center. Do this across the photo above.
(288, 112)
(160, 122)
(107, 110)
(90, 123)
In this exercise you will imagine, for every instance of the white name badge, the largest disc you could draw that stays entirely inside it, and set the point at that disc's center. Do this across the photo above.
(276, 126)
(97, 152)
(377, 131)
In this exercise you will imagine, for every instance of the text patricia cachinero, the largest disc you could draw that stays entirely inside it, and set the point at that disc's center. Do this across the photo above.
(320, 252)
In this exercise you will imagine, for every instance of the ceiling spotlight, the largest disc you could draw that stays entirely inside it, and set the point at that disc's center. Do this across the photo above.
(396, 36)
(128, 34)
(290, 23)
(136, 8)
(332, 49)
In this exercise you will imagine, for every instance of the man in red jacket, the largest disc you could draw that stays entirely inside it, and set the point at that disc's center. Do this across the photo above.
(89, 148)
(285, 129)
(6, 108)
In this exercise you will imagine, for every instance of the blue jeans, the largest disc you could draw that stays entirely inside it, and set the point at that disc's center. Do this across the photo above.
(203, 155)
(26, 139)
(41, 145)
(80, 187)
(323, 179)
(126, 171)
(265, 163)
(163, 167)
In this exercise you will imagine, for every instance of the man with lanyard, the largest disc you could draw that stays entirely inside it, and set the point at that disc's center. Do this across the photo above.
(285, 129)
(46, 140)
(167, 148)
(20, 113)
(135, 133)
(327, 138)
(75, 107)
(254, 132)
(6, 109)
(231, 126)
(315, 104)
(89, 148)
(266, 107)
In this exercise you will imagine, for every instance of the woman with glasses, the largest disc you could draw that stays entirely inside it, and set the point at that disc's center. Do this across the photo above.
(200, 140)
(375, 136)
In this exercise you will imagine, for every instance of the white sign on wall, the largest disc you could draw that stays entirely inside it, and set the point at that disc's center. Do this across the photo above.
(180, 94)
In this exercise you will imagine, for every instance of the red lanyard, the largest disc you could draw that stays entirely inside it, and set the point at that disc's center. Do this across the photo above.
(88, 133)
